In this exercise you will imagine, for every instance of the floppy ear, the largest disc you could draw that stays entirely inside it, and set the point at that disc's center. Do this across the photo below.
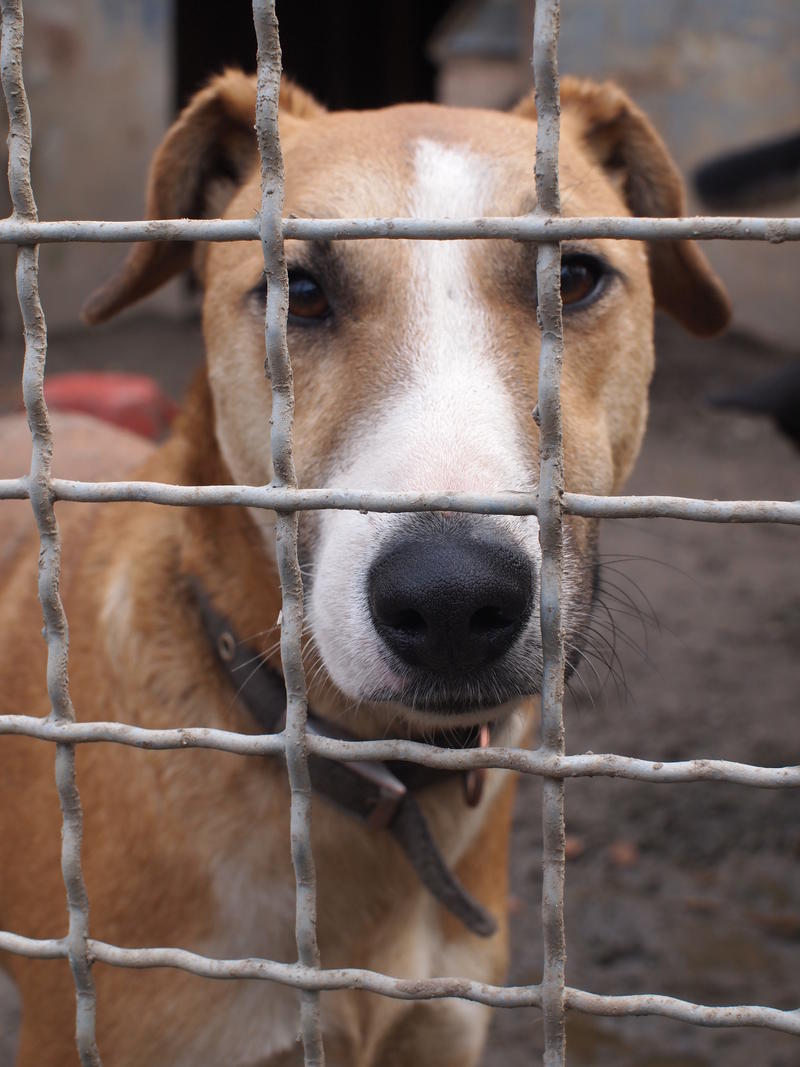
(204, 158)
(624, 142)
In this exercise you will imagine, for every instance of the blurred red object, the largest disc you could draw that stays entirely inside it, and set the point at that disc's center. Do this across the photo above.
(132, 401)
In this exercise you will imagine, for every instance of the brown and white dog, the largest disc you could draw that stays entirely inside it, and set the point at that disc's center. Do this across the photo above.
(415, 367)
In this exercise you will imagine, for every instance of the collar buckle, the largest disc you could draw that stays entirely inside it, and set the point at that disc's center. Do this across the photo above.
(475, 778)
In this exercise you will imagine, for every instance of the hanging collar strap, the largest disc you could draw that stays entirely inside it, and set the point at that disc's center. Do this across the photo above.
(380, 794)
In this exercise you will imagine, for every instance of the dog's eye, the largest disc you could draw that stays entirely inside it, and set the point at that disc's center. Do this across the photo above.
(582, 279)
(307, 300)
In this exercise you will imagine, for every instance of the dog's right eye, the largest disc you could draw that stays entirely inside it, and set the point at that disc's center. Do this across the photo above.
(307, 300)
(583, 278)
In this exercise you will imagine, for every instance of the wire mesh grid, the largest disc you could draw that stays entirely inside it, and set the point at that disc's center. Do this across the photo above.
(283, 496)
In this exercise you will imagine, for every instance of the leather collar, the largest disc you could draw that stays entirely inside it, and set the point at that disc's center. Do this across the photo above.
(380, 794)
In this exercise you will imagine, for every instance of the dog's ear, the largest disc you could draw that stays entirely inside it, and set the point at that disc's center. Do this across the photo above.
(206, 155)
(624, 142)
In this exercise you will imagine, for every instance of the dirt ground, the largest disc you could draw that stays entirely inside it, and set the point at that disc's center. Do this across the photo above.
(687, 890)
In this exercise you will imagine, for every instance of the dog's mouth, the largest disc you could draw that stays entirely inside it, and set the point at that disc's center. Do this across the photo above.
(476, 697)
(463, 700)
(473, 697)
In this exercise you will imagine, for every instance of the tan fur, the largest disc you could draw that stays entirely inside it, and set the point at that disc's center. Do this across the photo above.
(192, 848)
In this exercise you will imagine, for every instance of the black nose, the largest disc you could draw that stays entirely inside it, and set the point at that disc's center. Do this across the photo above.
(451, 600)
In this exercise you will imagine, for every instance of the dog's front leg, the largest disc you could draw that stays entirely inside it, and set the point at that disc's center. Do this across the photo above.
(437, 1034)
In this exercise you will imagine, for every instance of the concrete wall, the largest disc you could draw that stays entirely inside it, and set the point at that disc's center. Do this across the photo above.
(99, 80)
(715, 75)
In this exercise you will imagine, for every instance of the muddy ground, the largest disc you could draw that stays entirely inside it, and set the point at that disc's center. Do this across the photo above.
(687, 890)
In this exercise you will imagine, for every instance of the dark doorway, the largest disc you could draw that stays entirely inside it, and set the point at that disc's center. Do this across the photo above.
(349, 54)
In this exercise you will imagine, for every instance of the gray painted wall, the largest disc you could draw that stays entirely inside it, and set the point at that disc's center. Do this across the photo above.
(714, 75)
(99, 81)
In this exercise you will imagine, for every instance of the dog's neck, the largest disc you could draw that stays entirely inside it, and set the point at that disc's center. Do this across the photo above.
(222, 546)
(225, 550)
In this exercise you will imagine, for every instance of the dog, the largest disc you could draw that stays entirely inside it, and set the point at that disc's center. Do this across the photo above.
(415, 367)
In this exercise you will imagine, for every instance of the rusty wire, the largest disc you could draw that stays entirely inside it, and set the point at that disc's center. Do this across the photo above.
(279, 371)
(39, 490)
(551, 491)
(546, 227)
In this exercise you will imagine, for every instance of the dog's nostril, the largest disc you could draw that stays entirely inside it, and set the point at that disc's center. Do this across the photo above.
(489, 620)
(409, 621)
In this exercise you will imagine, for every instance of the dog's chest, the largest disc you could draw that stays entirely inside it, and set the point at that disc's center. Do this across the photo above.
(255, 917)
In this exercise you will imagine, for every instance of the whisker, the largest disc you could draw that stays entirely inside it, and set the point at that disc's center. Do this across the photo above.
(620, 595)
(597, 645)
(577, 676)
(266, 632)
(262, 657)
(627, 578)
(618, 632)
(588, 654)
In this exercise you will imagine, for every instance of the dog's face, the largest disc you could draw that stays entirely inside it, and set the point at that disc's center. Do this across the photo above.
(416, 365)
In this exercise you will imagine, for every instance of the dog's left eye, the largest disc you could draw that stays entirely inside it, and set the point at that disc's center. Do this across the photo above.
(582, 279)
(307, 299)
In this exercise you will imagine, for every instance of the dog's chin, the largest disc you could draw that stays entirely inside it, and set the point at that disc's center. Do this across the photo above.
(439, 707)
(426, 700)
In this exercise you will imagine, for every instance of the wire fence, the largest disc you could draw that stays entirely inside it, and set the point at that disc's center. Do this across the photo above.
(549, 503)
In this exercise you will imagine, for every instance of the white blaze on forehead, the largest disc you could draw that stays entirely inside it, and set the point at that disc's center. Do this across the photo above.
(450, 180)
(451, 424)
(459, 406)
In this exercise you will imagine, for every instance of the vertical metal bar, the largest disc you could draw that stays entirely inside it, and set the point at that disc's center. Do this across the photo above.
(279, 370)
(41, 496)
(551, 488)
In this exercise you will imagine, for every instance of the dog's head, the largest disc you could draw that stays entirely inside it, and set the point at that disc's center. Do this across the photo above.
(416, 363)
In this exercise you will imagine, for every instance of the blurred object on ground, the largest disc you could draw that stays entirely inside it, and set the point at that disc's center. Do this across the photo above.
(168, 350)
(777, 395)
(751, 177)
(133, 401)
(85, 450)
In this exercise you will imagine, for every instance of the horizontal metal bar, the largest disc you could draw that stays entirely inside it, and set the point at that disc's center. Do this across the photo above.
(299, 977)
(506, 502)
(517, 228)
(680, 507)
(683, 1010)
(94, 231)
(291, 974)
(54, 948)
(537, 762)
